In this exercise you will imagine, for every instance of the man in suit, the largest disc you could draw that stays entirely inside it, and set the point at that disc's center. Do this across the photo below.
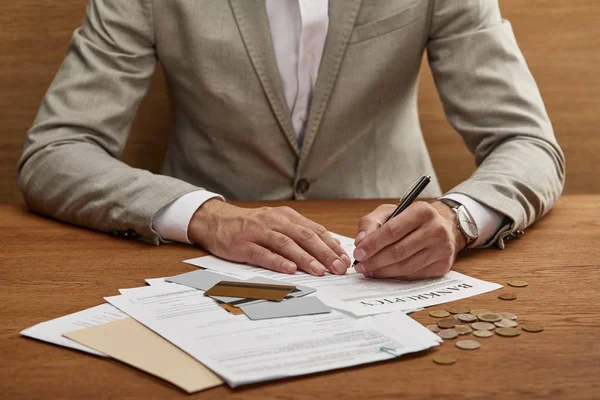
(280, 99)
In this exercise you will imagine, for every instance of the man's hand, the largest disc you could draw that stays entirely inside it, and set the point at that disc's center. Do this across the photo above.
(421, 242)
(279, 238)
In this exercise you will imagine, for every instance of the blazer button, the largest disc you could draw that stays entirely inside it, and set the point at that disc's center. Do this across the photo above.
(302, 186)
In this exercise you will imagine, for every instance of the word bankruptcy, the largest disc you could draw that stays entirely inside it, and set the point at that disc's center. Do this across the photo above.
(420, 296)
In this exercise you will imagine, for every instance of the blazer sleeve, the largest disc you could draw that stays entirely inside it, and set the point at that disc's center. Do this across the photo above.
(491, 99)
(70, 168)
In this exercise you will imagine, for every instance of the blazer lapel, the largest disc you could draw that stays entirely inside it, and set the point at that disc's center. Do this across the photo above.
(342, 16)
(253, 24)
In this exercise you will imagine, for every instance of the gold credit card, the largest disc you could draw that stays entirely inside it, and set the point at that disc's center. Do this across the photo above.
(250, 290)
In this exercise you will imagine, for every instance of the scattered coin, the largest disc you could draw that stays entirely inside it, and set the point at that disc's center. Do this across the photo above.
(448, 334)
(458, 321)
(433, 328)
(446, 323)
(458, 310)
(508, 332)
(439, 313)
(483, 334)
(444, 359)
(517, 283)
(466, 317)
(483, 326)
(507, 315)
(490, 317)
(468, 344)
(463, 329)
(507, 296)
(529, 327)
(477, 312)
(506, 323)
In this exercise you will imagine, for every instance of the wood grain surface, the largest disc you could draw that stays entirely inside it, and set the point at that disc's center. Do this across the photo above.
(559, 38)
(49, 269)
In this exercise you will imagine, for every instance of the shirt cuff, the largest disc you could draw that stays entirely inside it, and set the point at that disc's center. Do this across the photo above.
(171, 222)
(487, 220)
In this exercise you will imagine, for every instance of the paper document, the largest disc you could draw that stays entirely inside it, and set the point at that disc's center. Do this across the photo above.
(130, 342)
(51, 331)
(242, 351)
(364, 296)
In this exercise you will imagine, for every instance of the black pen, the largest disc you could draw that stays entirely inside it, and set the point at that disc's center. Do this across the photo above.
(407, 198)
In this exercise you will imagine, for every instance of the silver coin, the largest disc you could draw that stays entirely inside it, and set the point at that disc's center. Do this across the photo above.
(483, 326)
(433, 328)
(483, 334)
(463, 329)
(506, 323)
(466, 317)
(507, 315)
(448, 334)
(468, 344)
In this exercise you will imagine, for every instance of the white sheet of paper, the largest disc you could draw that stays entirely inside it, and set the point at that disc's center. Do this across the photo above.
(155, 281)
(242, 351)
(51, 331)
(364, 296)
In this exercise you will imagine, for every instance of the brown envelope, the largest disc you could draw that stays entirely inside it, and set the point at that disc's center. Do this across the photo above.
(132, 343)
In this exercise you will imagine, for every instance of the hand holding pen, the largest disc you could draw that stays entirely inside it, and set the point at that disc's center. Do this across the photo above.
(411, 241)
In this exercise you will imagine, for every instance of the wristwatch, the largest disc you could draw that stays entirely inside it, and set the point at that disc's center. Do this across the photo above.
(464, 221)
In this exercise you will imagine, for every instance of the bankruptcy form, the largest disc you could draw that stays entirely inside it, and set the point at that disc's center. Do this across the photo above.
(243, 351)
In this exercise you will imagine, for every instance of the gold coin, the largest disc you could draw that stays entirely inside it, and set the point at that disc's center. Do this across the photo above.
(478, 311)
(468, 344)
(433, 328)
(439, 313)
(483, 334)
(483, 326)
(466, 317)
(463, 329)
(490, 317)
(506, 323)
(508, 332)
(444, 359)
(446, 323)
(529, 327)
(507, 315)
(517, 283)
(447, 334)
(458, 310)
(507, 296)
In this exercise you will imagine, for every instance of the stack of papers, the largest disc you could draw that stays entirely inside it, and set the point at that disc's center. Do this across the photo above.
(174, 330)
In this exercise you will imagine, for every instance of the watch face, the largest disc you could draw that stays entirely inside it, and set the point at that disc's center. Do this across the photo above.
(466, 223)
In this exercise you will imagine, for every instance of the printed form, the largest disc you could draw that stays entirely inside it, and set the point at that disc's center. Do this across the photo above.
(242, 351)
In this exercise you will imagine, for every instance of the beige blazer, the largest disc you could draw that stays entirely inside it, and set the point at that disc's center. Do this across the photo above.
(234, 135)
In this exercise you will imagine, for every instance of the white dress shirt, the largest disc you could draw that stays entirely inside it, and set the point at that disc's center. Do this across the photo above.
(298, 33)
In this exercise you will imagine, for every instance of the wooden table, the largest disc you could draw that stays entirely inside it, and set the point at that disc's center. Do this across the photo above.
(49, 269)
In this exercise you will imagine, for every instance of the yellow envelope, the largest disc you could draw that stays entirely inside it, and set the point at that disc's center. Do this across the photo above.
(130, 342)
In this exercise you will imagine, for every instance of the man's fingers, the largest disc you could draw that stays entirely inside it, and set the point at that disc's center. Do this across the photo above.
(372, 221)
(394, 230)
(310, 241)
(404, 268)
(289, 249)
(324, 247)
(265, 258)
(323, 233)
(433, 270)
(396, 252)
